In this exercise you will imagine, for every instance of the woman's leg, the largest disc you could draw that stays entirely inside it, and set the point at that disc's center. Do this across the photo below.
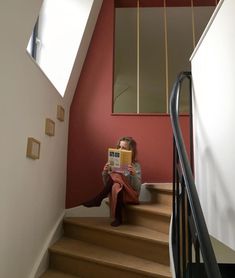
(96, 202)
(118, 210)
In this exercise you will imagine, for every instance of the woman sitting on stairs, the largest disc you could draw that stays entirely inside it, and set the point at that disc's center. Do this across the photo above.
(121, 188)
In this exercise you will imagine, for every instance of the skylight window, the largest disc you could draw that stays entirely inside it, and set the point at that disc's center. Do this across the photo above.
(56, 38)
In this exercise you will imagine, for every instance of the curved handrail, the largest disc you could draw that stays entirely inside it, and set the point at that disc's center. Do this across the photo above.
(211, 266)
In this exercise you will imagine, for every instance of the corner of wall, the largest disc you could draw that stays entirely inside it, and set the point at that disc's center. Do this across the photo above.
(42, 261)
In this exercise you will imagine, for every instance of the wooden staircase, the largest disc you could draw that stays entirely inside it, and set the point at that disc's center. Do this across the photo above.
(91, 248)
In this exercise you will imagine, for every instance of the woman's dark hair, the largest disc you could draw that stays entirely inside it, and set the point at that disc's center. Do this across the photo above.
(132, 145)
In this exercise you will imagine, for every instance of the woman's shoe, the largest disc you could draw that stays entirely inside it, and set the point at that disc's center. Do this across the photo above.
(116, 222)
(96, 202)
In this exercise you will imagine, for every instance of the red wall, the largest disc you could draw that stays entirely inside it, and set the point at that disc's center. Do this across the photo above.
(93, 128)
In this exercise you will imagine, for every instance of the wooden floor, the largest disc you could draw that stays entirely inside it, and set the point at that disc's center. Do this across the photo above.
(91, 248)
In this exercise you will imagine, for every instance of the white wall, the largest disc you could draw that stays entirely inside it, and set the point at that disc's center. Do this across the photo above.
(32, 192)
(213, 70)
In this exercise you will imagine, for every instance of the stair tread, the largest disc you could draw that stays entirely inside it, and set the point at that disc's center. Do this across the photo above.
(166, 187)
(153, 208)
(127, 230)
(98, 254)
(50, 273)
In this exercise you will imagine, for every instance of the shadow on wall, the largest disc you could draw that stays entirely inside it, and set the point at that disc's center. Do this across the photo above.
(216, 199)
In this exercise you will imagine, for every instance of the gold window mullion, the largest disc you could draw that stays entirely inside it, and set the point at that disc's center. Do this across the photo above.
(138, 58)
(166, 58)
(193, 25)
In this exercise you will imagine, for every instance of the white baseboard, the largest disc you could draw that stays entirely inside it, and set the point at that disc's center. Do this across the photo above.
(42, 261)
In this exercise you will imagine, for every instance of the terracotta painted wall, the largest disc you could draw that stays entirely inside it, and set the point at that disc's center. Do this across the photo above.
(93, 128)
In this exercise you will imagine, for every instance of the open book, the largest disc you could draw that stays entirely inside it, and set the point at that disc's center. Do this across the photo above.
(119, 159)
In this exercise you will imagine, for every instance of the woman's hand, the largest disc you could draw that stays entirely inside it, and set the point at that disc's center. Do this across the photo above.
(131, 169)
(106, 167)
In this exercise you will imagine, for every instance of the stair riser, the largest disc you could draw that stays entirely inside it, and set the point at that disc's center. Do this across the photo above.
(138, 247)
(153, 221)
(164, 198)
(90, 269)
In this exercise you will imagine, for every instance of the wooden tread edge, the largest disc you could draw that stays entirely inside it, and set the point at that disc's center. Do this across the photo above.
(154, 209)
(155, 237)
(162, 187)
(51, 273)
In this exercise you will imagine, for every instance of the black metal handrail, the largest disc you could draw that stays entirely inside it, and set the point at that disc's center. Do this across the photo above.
(188, 228)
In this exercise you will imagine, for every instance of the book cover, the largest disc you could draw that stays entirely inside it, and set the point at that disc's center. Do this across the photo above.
(119, 159)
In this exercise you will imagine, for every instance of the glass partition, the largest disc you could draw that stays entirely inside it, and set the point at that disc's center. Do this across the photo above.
(152, 68)
(180, 47)
(125, 70)
(153, 43)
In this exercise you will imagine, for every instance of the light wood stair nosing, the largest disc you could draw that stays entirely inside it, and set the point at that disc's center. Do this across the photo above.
(151, 208)
(162, 209)
(57, 274)
(159, 187)
(123, 233)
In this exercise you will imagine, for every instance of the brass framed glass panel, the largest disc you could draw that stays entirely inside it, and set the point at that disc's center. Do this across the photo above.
(180, 46)
(125, 70)
(152, 70)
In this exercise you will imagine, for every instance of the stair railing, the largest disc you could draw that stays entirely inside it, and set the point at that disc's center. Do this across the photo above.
(190, 238)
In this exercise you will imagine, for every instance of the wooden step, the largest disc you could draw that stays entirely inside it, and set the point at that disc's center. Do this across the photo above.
(165, 187)
(161, 193)
(56, 274)
(92, 261)
(149, 215)
(134, 240)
